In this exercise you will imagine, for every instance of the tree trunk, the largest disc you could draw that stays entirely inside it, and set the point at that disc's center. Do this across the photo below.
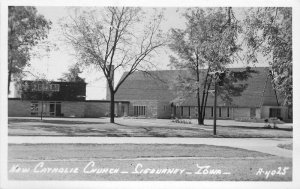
(42, 110)
(112, 106)
(202, 111)
(215, 109)
(200, 120)
(205, 101)
(9, 80)
(204, 97)
(10, 65)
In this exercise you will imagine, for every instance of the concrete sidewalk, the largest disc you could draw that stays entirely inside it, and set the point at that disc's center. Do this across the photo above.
(265, 145)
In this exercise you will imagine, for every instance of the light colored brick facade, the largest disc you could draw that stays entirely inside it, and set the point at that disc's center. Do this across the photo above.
(102, 108)
(96, 109)
(22, 108)
(73, 109)
(18, 108)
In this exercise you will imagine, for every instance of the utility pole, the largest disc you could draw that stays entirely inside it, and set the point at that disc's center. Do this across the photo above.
(218, 76)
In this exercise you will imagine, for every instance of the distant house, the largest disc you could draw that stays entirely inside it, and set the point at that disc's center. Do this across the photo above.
(150, 96)
(59, 99)
(56, 99)
(54, 91)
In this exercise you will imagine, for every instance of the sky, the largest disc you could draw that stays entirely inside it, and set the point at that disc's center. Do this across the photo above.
(57, 62)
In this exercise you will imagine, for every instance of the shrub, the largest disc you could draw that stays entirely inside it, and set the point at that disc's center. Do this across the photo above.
(176, 120)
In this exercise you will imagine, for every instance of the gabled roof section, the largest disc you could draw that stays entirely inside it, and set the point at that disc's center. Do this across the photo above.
(155, 85)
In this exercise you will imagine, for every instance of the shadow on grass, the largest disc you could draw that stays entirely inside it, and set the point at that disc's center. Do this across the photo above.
(121, 125)
(82, 128)
(49, 130)
(66, 122)
(258, 128)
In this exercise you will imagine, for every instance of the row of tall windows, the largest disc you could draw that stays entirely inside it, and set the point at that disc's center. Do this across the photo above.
(45, 87)
(139, 110)
(219, 112)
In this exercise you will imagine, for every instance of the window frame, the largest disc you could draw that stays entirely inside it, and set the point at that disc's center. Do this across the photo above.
(35, 108)
(139, 110)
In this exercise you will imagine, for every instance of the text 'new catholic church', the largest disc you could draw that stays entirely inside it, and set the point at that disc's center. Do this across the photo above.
(149, 95)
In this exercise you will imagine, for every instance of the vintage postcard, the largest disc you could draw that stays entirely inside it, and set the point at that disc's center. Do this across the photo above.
(192, 94)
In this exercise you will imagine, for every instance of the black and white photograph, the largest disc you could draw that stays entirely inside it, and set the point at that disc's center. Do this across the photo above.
(105, 93)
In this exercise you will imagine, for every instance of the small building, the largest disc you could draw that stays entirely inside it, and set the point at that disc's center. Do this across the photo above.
(59, 99)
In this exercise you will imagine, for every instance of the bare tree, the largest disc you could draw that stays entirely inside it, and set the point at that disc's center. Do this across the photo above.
(114, 38)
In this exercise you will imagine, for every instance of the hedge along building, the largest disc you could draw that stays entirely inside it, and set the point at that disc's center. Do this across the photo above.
(150, 95)
(59, 99)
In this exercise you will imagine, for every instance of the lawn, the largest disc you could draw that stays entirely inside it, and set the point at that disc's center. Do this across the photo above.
(137, 128)
(135, 162)
(82, 151)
